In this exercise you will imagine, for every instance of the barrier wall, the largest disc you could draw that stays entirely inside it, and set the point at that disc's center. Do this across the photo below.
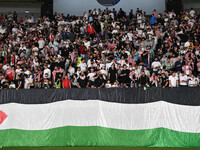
(78, 7)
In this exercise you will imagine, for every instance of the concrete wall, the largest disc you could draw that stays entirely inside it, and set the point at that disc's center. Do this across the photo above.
(187, 4)
(20, 6)
(77, 7)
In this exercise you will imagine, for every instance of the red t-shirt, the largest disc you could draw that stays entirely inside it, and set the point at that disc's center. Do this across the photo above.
(83, 49)
(66, 83)
(90, 29)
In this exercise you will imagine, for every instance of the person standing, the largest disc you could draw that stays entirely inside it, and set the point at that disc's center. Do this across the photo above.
(15, 16)
(91, 30)
(173, 80)
(143, 80)
(26, 82)
(66, 83)
(82, 81)
(112, 74)
(183, 79)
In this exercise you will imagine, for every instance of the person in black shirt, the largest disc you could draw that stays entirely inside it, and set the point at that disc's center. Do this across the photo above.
(125, 75)
(62, 63)
(164, 80)
(143, 80)
(82, 81)
(1, 59)
(111, 55)
(15, 16)
(6, 84)
(112, 74)
(124, 54)
(18, 83)
(99, 81)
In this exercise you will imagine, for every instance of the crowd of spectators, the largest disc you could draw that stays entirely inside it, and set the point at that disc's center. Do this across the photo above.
(101, 49)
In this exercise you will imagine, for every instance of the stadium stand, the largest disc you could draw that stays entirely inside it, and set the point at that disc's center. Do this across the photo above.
(101, 49)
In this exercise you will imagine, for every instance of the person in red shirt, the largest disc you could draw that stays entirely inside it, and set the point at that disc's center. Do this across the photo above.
(1, 18)
(91, 30)
(82, 50)
(66, 83)
(10, 73)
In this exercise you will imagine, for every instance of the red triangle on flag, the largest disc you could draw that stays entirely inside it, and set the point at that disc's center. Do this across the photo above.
(3, 116)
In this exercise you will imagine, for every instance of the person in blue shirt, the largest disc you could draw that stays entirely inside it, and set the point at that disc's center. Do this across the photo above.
(135, 56)
(153, 19)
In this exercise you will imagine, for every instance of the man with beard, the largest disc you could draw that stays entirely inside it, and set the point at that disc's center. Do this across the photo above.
(82, 81)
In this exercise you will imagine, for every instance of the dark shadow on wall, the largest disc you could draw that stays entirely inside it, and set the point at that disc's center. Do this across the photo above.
(108, 2)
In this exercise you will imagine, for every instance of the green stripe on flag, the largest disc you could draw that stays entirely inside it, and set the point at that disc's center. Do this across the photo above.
(98, 136)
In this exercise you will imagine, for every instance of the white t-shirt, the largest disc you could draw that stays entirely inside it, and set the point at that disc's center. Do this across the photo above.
(71, 71)
(35, 50)
(130, 36)
(91, 76)
(156, 64)
(48, 71)
(12, 86)
(18, 71)
(5, 67)
(26, 84)
(108, 85)
(173, 80)
(192, 12)
(187, 44)
(193, 81)
(183, 78)
(41, 44)
(87, 44)
(27, 72)
(83, 67)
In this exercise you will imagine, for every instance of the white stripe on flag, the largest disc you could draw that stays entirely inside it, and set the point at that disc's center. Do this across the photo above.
(100, 113)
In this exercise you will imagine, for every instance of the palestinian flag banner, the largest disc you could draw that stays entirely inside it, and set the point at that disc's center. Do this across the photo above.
(100, 117)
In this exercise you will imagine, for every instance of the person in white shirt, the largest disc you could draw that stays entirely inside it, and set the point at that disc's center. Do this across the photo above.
(71, 70)
(183, 79)
(23, 47)
(47, 71)
(91, 76)
(173, 80)
(108, 85)
(35, 62)
(26, 71)
(35, 51)
(12, 85)
(83, 66)
(6, 66)
(193, 81)
(87, 43)
(192, 12)
(187, 44)
(26, 82)
(156, 65)
(18, 71)
(41, 43)
(130, 35)
(14, 30)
